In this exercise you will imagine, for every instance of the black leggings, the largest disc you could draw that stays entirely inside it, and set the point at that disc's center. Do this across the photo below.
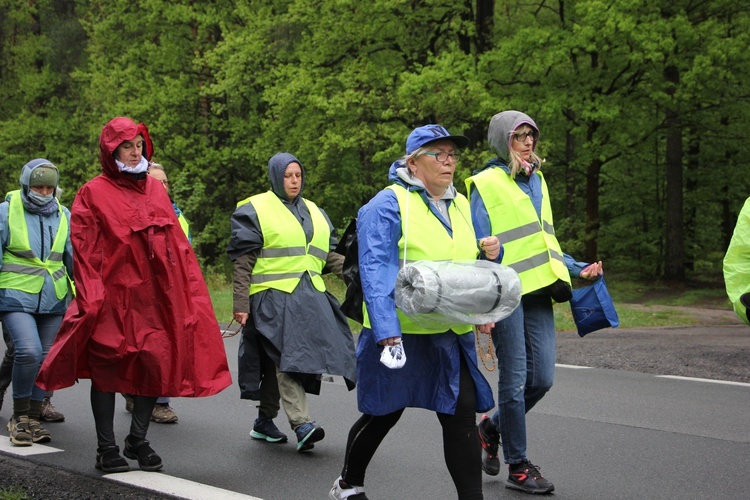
(460, 442)
(103, 407)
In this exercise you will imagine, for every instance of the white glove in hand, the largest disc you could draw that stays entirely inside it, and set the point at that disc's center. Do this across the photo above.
(393, 356)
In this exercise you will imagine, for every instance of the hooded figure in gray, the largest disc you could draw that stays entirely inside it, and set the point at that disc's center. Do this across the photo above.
(502, 126)
(43, 215)
(304, 331)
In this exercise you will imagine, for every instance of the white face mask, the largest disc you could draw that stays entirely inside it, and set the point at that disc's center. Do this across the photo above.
(141, 167)
(40, 199)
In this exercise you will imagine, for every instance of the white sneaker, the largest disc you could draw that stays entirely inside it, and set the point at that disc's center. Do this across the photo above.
(338, 493)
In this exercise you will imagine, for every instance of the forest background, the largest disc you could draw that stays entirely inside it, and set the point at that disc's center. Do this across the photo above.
(643, 105)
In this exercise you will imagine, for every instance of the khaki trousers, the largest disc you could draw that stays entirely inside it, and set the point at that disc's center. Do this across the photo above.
(286, 389)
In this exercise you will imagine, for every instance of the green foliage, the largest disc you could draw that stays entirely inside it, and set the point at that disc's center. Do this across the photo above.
(13, 493)
(224, 85)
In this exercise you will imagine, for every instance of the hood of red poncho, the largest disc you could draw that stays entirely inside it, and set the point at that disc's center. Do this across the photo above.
(114, 133)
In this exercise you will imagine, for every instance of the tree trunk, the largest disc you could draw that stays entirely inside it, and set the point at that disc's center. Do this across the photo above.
(485, 21)
(570, 179)
(592, 210)
(674, 252)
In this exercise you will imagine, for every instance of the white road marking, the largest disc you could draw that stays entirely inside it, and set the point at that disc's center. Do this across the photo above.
(175, 486)
(693, 379)
(25, 451)
(675, 377)
(158, 482)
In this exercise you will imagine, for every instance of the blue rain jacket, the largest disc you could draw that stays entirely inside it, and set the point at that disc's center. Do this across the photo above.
(430, 377)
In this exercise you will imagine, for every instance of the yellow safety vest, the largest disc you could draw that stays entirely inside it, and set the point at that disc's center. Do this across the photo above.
(427, 239)
(286, 255)
(22, 269)
(529, 245)
(184, 224)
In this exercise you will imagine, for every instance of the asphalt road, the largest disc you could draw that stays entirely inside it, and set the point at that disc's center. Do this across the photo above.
(612, 431)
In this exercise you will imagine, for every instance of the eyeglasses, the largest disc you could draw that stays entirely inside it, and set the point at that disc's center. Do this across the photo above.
(525, 135)
(442, 156)
(165, 182)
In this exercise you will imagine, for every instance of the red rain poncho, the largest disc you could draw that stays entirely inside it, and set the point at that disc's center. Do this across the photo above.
(142, 321)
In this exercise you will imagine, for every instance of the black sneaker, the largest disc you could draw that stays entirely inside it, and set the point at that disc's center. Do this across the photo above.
(526, 477)
(307, 434)
(490, 440)
(265, 429)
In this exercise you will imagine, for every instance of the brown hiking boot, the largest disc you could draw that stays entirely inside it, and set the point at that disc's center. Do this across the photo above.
(128, 403)
(19, 431)
(38, 433)
(163, 414)
(49, 413)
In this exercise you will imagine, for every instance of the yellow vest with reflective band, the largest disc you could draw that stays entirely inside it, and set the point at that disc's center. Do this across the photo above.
(286, 255)
(529, 246)
(184, 224)
(22, 269)
(428, 239)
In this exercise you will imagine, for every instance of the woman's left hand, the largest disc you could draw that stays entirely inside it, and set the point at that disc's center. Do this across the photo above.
(487, 329)
(490, 246)
(592, 271)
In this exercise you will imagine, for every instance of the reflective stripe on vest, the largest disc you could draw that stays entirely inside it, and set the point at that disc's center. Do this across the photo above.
(286, 255)
(428, 239)
(22, 269)
(529, 246)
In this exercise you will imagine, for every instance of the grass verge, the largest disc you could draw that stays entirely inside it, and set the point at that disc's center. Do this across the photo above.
(13, 493)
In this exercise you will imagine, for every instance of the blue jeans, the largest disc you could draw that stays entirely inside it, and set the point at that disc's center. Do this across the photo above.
(33, 335)
(525, 348)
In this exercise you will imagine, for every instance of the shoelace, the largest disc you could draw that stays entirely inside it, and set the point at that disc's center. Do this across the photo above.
(532, 470)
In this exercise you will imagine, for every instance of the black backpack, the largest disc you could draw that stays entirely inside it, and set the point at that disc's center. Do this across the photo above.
(352, 305)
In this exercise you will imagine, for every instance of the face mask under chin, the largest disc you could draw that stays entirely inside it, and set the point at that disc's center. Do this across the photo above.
(39, 199)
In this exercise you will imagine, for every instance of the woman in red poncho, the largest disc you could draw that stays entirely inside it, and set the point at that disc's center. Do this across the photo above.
(142, 321)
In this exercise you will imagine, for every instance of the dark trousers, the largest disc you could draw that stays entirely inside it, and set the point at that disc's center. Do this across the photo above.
(103, 407)
(461, 447)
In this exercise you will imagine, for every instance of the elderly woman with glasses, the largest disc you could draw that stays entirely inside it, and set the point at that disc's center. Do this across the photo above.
(420, 216)
(509, 199)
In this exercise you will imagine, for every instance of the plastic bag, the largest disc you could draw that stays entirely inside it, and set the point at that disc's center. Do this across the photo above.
(593, 309)
(352, 304)
(393, 356)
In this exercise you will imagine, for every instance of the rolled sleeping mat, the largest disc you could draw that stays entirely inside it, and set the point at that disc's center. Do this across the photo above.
(438, 292)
